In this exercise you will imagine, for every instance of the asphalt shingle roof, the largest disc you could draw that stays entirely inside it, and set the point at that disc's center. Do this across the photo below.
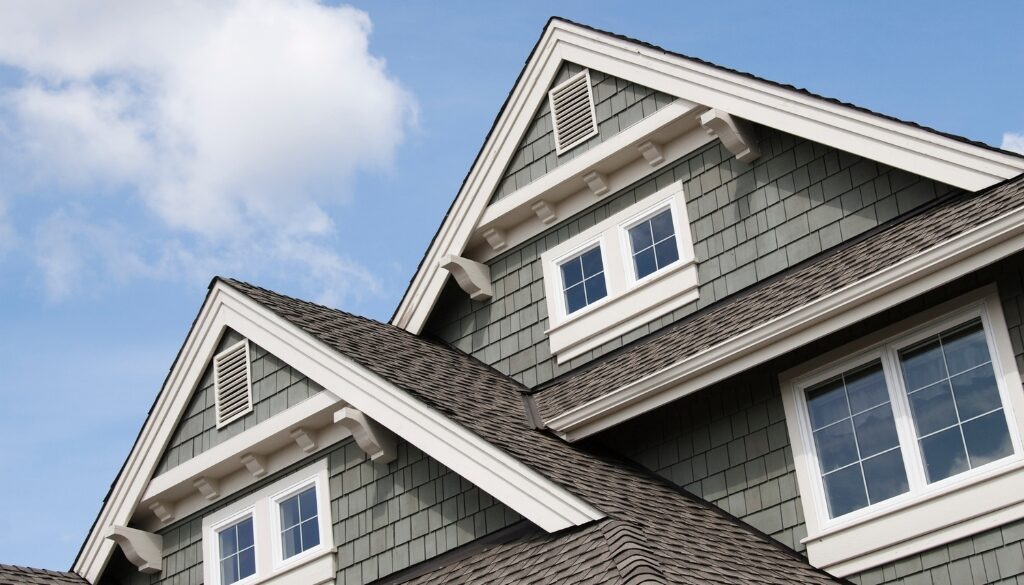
(683, 538)
(14, 575)
(816, 278)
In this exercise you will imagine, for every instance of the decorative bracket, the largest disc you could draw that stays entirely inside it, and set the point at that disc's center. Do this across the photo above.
(375, 440)
(596, 182)
(256, 464)
(473, 277)
(651, 152)
(165, 512)
(145, 550)
(736, 134)
(303, 440)
(496, 239)
(208, 487)
(545, 211)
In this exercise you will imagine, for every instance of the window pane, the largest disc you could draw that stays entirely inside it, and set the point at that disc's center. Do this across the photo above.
(844, 491)
(987, 438)
(866, 388)
(976, 392)
(944, 454)
(245, 537)
(229, 570)
(246, 563)
(291, 542)
(836, 446)
(290, 512)
(923, 365)
(667, 251)
(885, 476)
(228, 542)
(827, 403)
(307, 503)
(640, 236)
(572, 272)
(592, 262)
(595, 288)
(661, 225)
(965, 348)
(575, 298)
(876, 430)
(933, 408)
(310, 534)
(645, 263)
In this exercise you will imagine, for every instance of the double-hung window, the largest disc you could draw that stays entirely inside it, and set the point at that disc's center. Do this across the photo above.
(884, 429)
(237, 551)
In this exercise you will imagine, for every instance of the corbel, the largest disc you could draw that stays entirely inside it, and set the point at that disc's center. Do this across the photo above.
(378, 442)
(496, 239)
(473, 277)
(597, 183)
(303, 439)
(165, 512)
(256, 464)
(145, 550)
(736, 134)
(651, 152)
(208, 487)
(545, 211)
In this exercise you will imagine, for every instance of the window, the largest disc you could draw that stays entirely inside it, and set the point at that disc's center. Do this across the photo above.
(583, 280)
(627, 270)
(265, 535)
(653, 242)
(237, 552)
(908, 439)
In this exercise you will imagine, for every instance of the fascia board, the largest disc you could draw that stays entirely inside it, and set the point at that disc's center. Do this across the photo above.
(904, 280)
(489, 468)
(875, 137)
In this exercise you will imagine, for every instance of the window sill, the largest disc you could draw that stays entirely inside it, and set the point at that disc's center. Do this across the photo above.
(672, 288)
(313, 570)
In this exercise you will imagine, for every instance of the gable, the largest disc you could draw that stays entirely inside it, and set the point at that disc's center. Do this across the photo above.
(276, 386)
(618, 104)
(699, 87)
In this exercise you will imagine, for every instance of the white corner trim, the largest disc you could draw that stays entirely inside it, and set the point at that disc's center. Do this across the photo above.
(878, 138)
(472, 277)
(906, 279)
(737, 135)
(376, 441)
(145, 550)
(492, 470)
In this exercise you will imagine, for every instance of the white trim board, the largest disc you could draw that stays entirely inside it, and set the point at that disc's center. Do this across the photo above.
(878, 138)
(904, 280)
(489, 468)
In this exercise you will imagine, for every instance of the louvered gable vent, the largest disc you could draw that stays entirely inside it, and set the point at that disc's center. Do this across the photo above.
(572, 112)
(231, 382)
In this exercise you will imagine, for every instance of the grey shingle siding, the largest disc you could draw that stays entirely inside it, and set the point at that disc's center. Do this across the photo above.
(618, 104)
(386, 517)
(748, 222)
(275, 388)
(729, 445)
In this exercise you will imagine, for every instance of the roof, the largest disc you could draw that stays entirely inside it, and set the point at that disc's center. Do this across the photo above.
(687, 539)
(14, 575)
(816, 278)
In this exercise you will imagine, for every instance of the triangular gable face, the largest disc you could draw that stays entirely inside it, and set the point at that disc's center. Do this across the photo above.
(176, 469)
(515, 188)
(618, 105)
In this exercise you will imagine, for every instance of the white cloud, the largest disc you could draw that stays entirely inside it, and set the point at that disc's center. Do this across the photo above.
(234, 123)
(1014, 142)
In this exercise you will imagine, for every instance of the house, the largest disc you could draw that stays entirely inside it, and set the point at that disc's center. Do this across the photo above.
(680, 325)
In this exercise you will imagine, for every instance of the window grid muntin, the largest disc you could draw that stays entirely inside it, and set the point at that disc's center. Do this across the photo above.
(236, 555)
(899, 351)
(648, 222)
(582, 284)
(302, 521)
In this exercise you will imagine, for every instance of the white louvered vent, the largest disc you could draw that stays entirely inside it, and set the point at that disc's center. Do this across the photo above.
(231, 382)
(572, 112)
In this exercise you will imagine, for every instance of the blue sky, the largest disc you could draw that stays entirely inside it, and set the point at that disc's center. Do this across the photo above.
(141, 153)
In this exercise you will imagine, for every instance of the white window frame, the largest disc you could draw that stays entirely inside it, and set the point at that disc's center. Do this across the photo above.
(927, 514)
(313, 566)
(629, 303)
